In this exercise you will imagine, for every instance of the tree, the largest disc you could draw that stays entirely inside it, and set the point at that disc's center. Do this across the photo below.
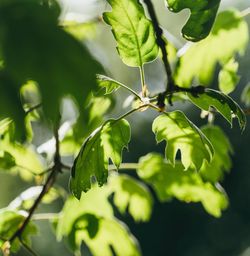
(49, 79)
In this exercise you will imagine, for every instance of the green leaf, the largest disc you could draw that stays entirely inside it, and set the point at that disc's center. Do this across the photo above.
(187, 186)
(101, 235)
(50, 56)
(228, 108)
(133, 32)
(228, 77)
(221, 162)
(106, 142)
(181, 134)
(108, 83)
(245, 96)
(92, 220)
(10, 221)
(202, 17)
(7, 161)
(27, 161)
(195, 62)
(131, 195)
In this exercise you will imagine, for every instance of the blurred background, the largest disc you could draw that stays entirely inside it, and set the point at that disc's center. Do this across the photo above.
(175, 229)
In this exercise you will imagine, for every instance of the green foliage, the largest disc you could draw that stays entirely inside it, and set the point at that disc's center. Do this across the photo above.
(44, 56)
(228, 77)
(9, 223)
(47, 74)
(131, 195)
(106, 142)
(91, 220)
(133, 32)
(227, 107)
(169, 182)
(221, 162)
(202, 17)
(197, 63)
(181, 134)
(245, 96)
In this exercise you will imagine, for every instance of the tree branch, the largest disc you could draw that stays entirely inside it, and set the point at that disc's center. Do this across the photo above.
(46, 187)
(162, 45)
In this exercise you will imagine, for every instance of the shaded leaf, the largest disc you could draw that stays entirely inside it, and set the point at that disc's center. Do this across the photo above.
(10, 221)
(221, 162)
(228, 78)
(187, 186)
(199, 60)
(50, 56)
(133, 32)
(131, 195)
(7, 161)
(108, 83)
(202, 17)
(228, 108)
(181, 134)
(106, 142)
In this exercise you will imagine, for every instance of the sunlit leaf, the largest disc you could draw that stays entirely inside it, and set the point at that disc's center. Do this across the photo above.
(245, 96)
(27, 161)
(228, 108)
(92, 220)
(202, 16)
(106, 142)
(181, 134)
(133, 32)
(199, 60)
(10, 221)
(100, 235)
(50, 56)
(221, 162)
(187, 186)
(228, 77)
(131, 195)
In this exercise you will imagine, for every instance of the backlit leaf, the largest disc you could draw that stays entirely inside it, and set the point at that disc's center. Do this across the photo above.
(91, 220)
(245, 96)
(131, 195)
(221, 162)
(133, 32)
(228, 77)
(199, 60)
(187, 186)
(202, 16)
(10, 221)
(106, 142)
(181, 134)
(228, 108)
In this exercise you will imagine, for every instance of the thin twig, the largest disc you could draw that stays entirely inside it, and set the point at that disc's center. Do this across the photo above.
(46, 187)
(28, 248)
(33, 108)
(162, 45)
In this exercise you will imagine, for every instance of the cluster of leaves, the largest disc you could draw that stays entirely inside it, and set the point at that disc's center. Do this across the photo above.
(43, 61)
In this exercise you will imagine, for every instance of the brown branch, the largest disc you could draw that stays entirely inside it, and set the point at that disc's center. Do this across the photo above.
(162, 45)
(46, 187)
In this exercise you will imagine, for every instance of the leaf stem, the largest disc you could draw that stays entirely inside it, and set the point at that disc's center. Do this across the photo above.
(143, 83)
(45, 216)
(124, 166)
(245, 12)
